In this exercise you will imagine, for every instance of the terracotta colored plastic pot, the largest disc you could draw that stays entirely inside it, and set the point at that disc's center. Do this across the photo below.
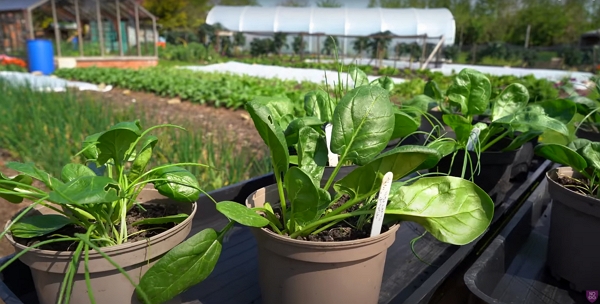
(300, 272)
(48, 268)
(573, 249)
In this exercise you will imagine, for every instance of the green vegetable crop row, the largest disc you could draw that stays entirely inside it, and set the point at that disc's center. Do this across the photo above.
(234, 91)
(220, 89)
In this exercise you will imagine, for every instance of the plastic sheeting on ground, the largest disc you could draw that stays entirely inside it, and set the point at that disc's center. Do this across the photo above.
(48, 83)
(284, 73)
(449, 68)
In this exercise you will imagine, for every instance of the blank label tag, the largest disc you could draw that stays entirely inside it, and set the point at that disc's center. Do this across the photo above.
(473, 139)
(333, 158)
(384, 193)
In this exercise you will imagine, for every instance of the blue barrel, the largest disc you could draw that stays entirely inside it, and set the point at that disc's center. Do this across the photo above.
(40, 55)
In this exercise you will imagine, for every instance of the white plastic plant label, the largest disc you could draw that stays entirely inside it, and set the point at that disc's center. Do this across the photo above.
(333, 158)
(384, 193)
(473, 139)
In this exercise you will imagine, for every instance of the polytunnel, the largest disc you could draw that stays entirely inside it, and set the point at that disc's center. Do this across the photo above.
(411, 23)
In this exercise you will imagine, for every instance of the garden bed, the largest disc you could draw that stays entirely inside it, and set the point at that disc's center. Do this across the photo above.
(235, 278)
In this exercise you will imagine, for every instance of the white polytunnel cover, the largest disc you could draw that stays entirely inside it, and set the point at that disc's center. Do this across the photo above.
(337, 21)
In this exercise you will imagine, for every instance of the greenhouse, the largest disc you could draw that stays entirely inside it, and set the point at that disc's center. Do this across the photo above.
(82, 32)
(422, 26)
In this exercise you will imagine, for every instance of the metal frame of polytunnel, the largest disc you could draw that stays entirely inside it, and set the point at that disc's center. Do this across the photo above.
(422, 25)
(90, 14)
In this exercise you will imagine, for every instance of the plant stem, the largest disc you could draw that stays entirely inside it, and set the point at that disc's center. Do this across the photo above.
(104, 255)
(24, 251)
(18, 217)
(225, 230)
(331, 218)
(495, 140)
(281, 198)
(341, 208)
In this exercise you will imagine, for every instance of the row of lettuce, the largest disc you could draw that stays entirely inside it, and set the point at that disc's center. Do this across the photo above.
(234, 91)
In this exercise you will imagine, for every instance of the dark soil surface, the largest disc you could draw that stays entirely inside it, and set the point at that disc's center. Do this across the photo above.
(138, 232)
(575, 185)
(343, 231)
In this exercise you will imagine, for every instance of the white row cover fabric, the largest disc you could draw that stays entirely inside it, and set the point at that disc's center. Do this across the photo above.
(336, 21)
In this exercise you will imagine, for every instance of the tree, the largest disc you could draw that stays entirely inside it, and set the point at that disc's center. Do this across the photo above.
(279, 42)
(170, 14)
(329, 3)
(360, 44)
(330, 45)
(239, 39)
(298, 45)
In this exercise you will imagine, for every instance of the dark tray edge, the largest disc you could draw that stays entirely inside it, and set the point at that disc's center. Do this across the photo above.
(240, 191)
(5, 293)
(424, 293)
(518, 230)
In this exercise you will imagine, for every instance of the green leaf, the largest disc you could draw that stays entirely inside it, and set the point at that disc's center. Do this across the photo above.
(433, 91)
(74, 171)
(38, 225)
(278, 106)
(533, 118)
(444, 147)
(358, 76)
(363, 123)
(470, 91)
(312, 153)
(308, 201)
(591, 153)
(178, 184)
(292, 130)
(452, 209)
(184, 266)
(513, 98)
(461, 126)
(271, 134)
(419, 102)
(386, 83)
(401, 161)
(29, 169)
(583, 104)
(143, 158)
(562, 110)
(114, 143)
(320, 105)
(86, 190)
(23, 179)
(241, 214)
(92, 152)
(404, 124)
(578, 144)
(177, 218)
(562, 155)
(522, 139)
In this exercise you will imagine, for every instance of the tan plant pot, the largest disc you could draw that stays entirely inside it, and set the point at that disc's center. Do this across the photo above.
(48, 268)
(299, 272)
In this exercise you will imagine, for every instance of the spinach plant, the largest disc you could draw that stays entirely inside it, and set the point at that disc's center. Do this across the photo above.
(511, 116)
(97, 203)
(583, 156)
(320, 105)
(452, 209)
(588, 108)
